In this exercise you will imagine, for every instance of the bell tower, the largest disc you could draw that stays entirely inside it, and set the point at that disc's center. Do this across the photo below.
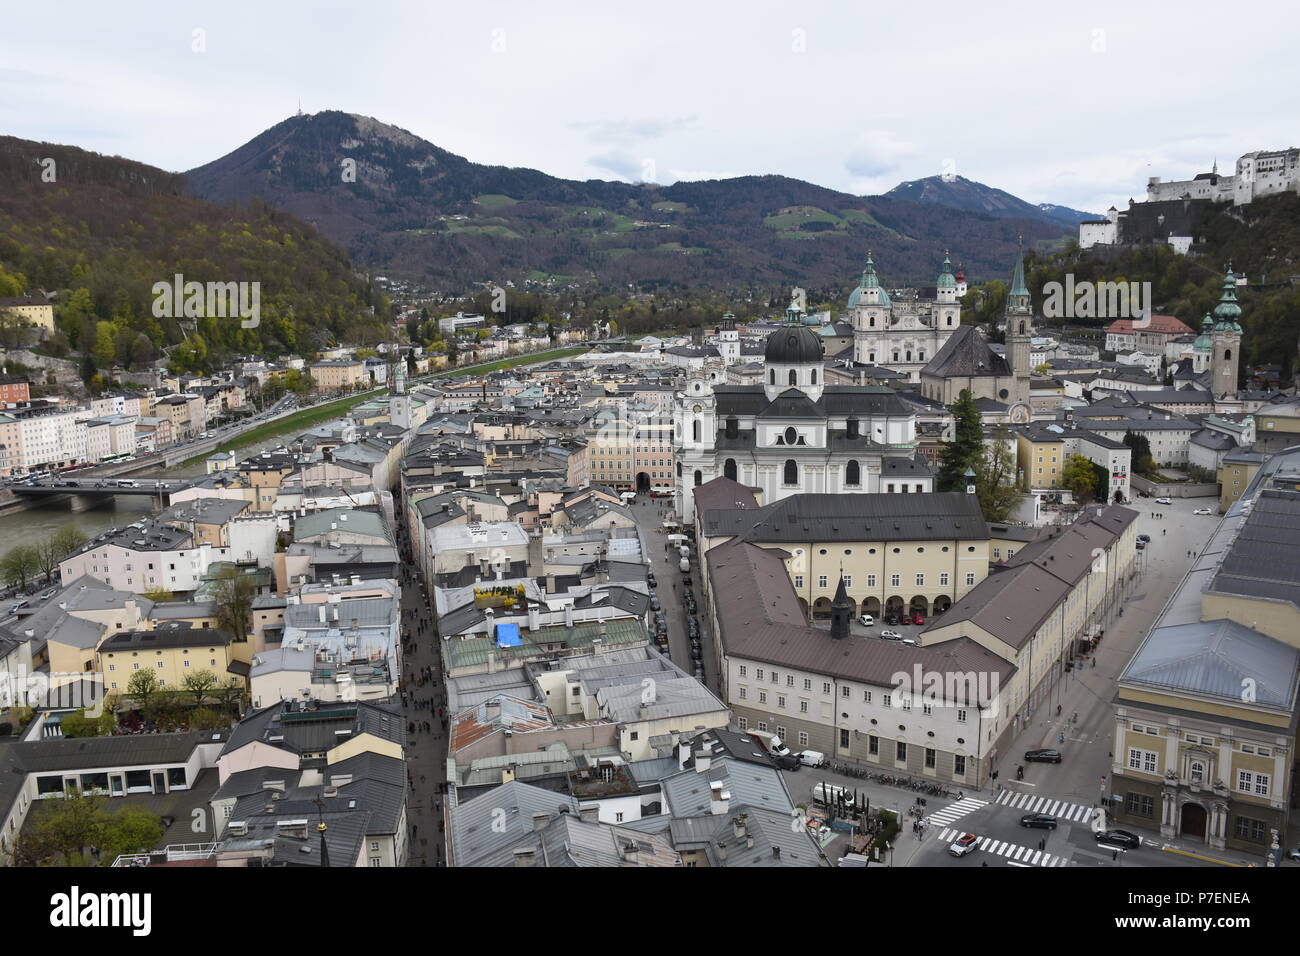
(1020, 331)
(1226, 341)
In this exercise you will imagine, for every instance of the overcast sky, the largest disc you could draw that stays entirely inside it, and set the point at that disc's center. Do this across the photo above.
(1068, 103)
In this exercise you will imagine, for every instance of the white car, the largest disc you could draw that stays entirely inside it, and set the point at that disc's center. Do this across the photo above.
(867, 620)
(1202, 511)
(1164, 501)
(891, 635)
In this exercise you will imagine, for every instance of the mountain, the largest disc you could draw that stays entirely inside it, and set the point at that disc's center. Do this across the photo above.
(959, 192)
(101, 230)
(407, 208)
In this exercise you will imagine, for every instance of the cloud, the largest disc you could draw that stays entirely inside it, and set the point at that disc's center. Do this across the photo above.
(877, 152)
(625, 165)
(626, 132)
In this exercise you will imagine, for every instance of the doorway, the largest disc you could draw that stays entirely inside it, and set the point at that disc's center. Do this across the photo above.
(159, 782)
(1193, 821)
(642, 483)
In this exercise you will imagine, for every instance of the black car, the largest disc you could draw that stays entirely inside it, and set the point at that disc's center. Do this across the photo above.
(1043, 756)
(1121, 838)
(786, 761)
(1042, 821)
(891, 620)
(1144, 538)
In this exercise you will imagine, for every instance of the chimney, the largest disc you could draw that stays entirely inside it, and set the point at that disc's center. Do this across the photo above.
(568, 615)
(722, 851)
(719, 799)
(550, 584)
(738, 826)
(540, 819)
(589, 812)
(321, 611)
(776, 852)
(526, 856)
(534, 618)
(703, 760)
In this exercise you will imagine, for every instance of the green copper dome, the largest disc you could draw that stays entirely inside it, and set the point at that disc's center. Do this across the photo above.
(1227, 312)
(1205, 341)
(869, 281)
(946, 279)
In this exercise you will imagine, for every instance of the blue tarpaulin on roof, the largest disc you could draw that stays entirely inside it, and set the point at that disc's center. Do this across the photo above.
(508, 635)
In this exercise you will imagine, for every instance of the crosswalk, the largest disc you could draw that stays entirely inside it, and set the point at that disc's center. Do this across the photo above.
(954, 811)
(1033, 803)
(1014, 853)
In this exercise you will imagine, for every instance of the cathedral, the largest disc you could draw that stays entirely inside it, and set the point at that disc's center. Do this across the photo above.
(794, 433)
(903, 335)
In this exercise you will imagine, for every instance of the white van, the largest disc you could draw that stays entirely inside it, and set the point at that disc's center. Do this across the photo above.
(828, 794)
(811, 758)
(127, 483)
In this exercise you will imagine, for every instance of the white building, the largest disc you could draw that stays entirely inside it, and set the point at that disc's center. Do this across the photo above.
(906, 334)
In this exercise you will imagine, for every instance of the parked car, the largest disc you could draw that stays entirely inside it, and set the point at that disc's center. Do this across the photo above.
(16, 607)
(964, 844)
(786, 761)
(867, 620)
(650, 576)
(892, 620)
(49, 593)
(1121, 838)
(696, 653)
(891, 635)
(1164, 501)
(811, 758)
(918, 618)
(654, 602)
(1042, 821)
(1202, 511)
(1144, 538)
(1042, 756)
(1141, 545)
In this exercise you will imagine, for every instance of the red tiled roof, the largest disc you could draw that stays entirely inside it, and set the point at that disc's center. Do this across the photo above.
(1163, 324)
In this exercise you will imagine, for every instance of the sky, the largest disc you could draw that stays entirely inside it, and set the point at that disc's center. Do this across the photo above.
(1067, 103)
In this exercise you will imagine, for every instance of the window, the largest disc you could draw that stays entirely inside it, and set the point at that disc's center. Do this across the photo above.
(848, 580)
(900, 752)
(791, 472)
(906, 702)
(871, 580)
(844, 739)
(844, 691)
(1196, 771)
(895, 580)
(873, 745)
(1140, 804)
(853, 474)
(758, 674)
(961, 715)
(1144, 760)
(866, 697)
(821, 581)
(887, 699)
(798, 580)
(762, 697)
(803, 706)
(826, 688)
(780, 701)
(803, 738)
(929, 758)
(958, 766)
(920, 580)
(742, 670)
(744, 692)
(742, 723)
(775, 678)
(1253, 830)
(927, 709)
(794, 377)
(789, 680)
(970, 578)
(943, 579)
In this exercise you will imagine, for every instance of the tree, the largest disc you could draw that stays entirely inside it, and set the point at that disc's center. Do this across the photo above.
(1142, 462)
(129, 830)
(159, 595)
(142, 687)
(64, 829)
(77, 724)
(56, 547)
(1080, 477)
(966, 445)
(233, 596)
(20, 564)
(200, 685)
(995, 477)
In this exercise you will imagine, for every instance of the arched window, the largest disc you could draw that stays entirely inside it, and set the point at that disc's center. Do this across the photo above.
(699, 477)
(679, 469)
(729, 469)
(1022, 327)
(814, 377)
(909, 355)
(791, 436)
(794, 377)
(1227, 353)
(853, 474)
(695, 431)
(771, 377)
(791, 476)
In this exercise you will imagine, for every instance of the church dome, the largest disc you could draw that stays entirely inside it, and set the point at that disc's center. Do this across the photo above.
(1227, 312)
(793, 345)
(946, 279)
(1205, 341)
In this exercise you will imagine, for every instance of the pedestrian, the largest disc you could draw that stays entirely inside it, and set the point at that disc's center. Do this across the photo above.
(1114, 854)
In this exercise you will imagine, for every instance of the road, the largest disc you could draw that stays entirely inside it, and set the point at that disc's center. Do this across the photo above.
(649, 514)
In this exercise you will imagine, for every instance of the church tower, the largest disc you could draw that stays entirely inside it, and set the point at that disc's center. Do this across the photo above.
(870, 307)
(1203, 348)
(947, 312)
(793, 358)
(1226, 338)
(1020, 330)
(728, 340)
(399, 403)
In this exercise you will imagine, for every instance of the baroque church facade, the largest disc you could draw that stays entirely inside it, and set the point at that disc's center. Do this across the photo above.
(794, 433)
(903, 334)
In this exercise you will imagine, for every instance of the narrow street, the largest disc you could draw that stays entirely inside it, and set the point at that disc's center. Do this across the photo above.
(424, 701)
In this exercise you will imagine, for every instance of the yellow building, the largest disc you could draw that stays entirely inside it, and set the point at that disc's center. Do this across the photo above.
(1205, 712)
(898, 554)
(1235, 474)
(338, 375)
(1040, 458)
(172, 653)
(32, 310)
